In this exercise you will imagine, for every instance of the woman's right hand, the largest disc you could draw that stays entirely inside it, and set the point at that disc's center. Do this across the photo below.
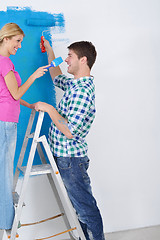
(39, 72)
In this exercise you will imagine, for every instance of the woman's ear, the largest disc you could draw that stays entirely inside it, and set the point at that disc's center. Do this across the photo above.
(5, 39)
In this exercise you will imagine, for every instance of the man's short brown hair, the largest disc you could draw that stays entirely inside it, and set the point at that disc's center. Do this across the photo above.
(85, 48)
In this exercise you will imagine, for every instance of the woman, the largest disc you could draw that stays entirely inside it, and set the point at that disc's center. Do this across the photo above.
(11, 91)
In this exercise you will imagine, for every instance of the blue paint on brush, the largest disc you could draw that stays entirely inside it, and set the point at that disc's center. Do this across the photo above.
(28, 59)
(56, 62)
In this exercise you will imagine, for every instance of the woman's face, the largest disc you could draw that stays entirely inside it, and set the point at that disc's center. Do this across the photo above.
(12, 44)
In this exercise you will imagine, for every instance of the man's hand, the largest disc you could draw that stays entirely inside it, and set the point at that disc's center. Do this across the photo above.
(51, 56)
(41, 106)
(46, 45)
(58, 120)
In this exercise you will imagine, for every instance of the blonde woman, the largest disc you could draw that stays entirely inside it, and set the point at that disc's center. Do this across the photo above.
(11, 91)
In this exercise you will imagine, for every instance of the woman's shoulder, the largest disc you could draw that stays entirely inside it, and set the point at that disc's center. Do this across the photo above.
(6, 65)
(5, 60)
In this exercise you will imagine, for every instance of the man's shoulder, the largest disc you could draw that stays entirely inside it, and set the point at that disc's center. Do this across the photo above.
(82, 92)
(85, 88)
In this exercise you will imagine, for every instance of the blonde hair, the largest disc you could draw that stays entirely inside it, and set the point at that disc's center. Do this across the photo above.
(9, 30)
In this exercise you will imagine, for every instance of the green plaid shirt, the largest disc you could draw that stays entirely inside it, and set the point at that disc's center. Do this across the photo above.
(78, 107)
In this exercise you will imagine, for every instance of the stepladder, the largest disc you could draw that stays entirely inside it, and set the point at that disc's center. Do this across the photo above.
(49, 168)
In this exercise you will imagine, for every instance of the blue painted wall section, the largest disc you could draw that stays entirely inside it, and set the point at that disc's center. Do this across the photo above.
(27, 60)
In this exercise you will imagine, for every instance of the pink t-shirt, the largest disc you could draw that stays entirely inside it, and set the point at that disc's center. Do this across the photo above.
(9, 107)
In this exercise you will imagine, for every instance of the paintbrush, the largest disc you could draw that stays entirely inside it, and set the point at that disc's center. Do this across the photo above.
(55, 62)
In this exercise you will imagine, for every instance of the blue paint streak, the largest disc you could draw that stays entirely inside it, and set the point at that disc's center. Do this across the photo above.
(27, 60)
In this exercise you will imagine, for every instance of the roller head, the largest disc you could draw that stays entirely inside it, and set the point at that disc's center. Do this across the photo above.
(56, 62)
(40, 22)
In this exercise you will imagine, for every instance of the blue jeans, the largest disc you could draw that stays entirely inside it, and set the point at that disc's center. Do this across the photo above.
(73, 171)
(8, 137)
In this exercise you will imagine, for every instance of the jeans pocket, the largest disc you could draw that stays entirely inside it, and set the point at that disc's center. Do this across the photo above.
(83, 167)
(64, 163)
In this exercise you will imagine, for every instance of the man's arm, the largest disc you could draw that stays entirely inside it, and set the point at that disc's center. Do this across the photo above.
(60, 122)
(51, 56)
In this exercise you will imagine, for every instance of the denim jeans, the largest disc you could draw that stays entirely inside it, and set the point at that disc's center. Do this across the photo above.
(74, 174)
(8, 137)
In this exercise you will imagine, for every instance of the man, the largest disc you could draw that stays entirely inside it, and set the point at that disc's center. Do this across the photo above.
(71, 123)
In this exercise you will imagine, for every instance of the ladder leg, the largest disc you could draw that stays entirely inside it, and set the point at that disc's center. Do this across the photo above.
(26, 176)
(22, 194)
(1, 234)
(23, 149)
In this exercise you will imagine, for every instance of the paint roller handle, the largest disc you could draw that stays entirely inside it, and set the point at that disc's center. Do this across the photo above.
(42, 45)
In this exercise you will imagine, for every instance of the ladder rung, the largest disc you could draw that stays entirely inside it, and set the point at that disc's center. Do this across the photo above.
(69, 230)
(38, 169)
(16, 199)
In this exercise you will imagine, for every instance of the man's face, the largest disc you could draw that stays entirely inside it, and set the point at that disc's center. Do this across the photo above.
(73, 63)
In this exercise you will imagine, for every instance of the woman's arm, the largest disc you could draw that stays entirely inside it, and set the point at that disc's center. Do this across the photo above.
(26, 104)
(12, 85)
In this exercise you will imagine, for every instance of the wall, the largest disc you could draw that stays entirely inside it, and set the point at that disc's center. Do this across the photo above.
(30, 58)
(124, 140)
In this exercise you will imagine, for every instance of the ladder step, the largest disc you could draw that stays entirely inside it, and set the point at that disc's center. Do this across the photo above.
(16, 199)
(38, 169)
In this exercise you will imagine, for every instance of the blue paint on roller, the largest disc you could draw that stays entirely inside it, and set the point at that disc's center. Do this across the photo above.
(56, 62)
(28, 59)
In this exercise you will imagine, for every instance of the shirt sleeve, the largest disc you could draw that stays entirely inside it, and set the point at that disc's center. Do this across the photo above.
(78, 110)
(61, 81)
(6, 66)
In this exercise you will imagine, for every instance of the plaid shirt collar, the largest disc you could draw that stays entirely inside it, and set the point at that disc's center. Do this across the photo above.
(80, 80)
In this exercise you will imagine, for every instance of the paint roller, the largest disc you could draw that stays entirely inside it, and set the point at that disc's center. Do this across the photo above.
(41, 23)
(42, 42)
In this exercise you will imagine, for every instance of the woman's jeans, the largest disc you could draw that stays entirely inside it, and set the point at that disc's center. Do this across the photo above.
(73, 171)
(8, 137)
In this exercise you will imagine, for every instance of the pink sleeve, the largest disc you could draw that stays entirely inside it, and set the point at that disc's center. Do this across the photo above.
(6, 66)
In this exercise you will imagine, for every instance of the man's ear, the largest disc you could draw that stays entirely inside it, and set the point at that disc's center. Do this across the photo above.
(84, 59)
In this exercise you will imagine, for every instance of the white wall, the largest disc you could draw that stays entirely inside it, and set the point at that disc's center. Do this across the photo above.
(125, 138)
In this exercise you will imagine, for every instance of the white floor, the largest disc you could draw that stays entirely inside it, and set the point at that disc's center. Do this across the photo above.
(149, 233)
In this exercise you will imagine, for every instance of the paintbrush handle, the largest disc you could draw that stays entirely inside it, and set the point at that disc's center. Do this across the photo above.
(50, 66)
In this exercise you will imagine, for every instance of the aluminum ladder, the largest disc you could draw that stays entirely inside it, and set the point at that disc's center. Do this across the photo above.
(50, 169)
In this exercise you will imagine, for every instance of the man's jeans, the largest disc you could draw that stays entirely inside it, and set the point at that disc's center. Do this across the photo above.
(8, 137)
(73, 171)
